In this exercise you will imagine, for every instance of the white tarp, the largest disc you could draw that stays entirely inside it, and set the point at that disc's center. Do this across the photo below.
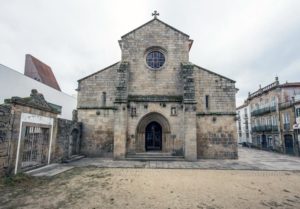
(296, 126)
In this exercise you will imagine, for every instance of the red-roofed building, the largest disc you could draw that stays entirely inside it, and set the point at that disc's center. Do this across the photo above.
(39, 71)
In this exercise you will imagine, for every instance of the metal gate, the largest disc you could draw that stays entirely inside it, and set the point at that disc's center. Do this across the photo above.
(35, 147)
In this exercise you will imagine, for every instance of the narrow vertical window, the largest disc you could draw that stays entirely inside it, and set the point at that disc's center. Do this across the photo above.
(206, 101)
(103, 98)
(173, 111)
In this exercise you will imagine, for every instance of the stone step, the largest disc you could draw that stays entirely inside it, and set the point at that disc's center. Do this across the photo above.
(49, 170)
(74, 158)
(151, 156)
(42, 169)
(155, 159)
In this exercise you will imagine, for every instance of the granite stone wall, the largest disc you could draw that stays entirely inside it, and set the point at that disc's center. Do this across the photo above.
(97, 131)
(5, 137)
(91, 89)
(216, 137)
(175, 46)
(220, 91)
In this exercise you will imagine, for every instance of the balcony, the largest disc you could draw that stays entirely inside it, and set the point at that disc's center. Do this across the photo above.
(285, 105)
(264, 128)
(263, 110)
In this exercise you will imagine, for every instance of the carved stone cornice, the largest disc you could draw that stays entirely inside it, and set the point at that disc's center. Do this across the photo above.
(37, 101)
(155, 98)
(216, 113)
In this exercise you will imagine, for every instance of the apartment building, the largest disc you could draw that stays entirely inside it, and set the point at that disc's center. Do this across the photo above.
(272, 110)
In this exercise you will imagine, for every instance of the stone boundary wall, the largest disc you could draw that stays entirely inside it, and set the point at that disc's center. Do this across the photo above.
(68, 139)
(10, 120)
(5, 136)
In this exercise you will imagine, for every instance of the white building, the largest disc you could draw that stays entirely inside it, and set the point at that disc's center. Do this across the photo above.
(13, 83)
(244, 123)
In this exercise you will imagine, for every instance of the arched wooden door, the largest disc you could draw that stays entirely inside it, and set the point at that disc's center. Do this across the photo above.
(153, 136)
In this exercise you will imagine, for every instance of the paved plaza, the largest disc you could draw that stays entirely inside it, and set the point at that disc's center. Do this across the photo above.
(249, 159)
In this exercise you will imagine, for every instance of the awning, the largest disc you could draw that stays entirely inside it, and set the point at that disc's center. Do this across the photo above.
(296, 126)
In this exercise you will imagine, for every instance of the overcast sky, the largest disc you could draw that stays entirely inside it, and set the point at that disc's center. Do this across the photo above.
(248, 41)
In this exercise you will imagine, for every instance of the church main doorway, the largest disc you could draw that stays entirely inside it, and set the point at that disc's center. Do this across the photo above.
(153, 133)
(153, 137)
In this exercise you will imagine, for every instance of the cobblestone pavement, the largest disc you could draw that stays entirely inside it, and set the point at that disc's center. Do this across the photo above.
(249, 159)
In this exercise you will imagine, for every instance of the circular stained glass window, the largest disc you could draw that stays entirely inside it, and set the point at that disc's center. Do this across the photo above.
(155, 59)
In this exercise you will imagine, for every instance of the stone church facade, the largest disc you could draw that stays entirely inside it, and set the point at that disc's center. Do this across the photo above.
(155, 100)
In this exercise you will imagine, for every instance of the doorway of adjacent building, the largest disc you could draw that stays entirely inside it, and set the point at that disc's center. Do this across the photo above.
(153, 137)
(35, 147)
(264, 143)
(288, 142)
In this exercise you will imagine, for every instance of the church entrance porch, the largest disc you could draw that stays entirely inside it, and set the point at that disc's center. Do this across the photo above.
(153, 134)
(154, 140)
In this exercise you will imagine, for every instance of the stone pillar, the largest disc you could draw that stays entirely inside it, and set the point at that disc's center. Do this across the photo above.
(189, 102)
(120, 131)
(120, 120)
(190, 132)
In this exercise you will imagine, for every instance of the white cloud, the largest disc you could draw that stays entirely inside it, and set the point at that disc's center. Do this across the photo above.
(249, 41)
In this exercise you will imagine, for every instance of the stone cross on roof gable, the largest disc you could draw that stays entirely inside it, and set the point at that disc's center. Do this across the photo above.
(155, 13)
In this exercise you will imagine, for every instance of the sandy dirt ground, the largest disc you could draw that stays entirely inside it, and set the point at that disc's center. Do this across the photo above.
(155, 188)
